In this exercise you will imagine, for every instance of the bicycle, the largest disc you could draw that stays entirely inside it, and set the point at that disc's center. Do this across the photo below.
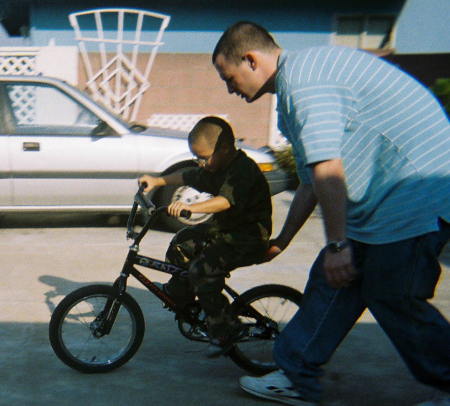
(98, 328)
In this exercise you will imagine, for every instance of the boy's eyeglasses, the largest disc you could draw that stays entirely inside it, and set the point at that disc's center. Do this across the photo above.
(202, 161)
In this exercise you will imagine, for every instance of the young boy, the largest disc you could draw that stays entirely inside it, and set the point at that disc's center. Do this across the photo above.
(237, 234)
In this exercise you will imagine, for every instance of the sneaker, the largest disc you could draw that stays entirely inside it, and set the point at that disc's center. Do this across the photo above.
(274, 386)
(443, 399)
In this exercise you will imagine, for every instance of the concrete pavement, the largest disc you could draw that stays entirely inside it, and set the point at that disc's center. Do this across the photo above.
(44, 258)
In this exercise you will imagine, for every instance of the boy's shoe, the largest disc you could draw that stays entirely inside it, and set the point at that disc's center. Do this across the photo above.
(222, 345)
(160, 286)
(275, 386)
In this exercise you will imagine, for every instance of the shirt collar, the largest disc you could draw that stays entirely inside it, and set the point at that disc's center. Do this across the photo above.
(280, 68)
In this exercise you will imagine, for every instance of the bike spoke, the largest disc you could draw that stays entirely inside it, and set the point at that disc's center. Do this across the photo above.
(265, 317)
(78, 332)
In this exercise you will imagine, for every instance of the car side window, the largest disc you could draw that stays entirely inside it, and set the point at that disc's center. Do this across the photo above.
(45, 110)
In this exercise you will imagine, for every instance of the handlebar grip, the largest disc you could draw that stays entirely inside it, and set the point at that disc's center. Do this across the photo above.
(142, 199)
(183, 213)
(142, 186)
(186, 214)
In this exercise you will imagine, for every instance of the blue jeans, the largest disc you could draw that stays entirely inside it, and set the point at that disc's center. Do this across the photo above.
(395, 282)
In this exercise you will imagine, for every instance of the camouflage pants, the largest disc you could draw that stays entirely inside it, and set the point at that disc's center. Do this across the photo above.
(208, 257)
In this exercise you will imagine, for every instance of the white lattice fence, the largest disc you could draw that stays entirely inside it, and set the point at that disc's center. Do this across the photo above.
(21, 62)
(17, 62)
(182, 122)
(23, 100)
(34, 61)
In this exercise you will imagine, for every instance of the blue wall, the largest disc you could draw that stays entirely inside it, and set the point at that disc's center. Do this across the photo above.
(196, 25)
(424, 27)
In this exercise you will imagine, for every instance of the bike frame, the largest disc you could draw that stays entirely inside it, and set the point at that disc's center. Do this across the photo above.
(133, 258)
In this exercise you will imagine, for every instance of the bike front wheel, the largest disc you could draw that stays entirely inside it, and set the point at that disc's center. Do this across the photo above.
(79, 338)
(263, 311)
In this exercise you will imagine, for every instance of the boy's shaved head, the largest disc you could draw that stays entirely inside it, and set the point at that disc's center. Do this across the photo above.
(214, 130)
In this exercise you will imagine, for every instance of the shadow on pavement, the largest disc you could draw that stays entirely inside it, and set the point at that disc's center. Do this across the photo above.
(169, 369)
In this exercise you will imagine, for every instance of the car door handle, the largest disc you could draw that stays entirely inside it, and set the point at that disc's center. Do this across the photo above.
(31, 146)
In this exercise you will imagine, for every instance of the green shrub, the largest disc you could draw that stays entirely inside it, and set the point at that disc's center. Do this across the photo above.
(441, 89)
(285, 160)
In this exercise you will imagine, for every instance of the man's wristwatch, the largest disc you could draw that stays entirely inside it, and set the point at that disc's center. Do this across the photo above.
(337, 246)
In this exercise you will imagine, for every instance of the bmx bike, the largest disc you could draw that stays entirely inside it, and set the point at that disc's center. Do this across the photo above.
(98, 328)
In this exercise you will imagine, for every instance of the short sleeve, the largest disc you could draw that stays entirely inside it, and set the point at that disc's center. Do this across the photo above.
(320, 114)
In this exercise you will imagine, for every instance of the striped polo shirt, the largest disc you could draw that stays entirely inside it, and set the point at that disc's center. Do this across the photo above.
(390, 132)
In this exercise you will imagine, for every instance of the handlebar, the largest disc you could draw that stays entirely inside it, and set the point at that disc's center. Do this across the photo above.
(144, 201)
(149, 211)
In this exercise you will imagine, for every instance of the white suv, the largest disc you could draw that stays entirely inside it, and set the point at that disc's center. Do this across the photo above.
(61, 151)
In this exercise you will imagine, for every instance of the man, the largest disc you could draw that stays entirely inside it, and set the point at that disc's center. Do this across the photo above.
(372, 148)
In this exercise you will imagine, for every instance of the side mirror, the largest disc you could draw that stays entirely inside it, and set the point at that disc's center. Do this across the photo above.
(102, 129)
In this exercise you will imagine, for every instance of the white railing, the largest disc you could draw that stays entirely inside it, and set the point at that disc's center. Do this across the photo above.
(118, 37)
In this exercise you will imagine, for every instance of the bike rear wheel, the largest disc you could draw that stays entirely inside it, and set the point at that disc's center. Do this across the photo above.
(76, 334)
(264, 311)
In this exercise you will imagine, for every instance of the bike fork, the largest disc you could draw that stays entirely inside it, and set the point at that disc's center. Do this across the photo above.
(105, 321)
(102, 325)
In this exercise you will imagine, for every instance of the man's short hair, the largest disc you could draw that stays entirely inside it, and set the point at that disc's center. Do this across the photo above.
(242, 37)
(224, 137)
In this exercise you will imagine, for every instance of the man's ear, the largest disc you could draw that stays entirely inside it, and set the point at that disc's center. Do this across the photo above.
(251, 59)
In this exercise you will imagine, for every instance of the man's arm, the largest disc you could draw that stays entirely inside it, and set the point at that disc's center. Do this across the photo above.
(331, 192)
(301, 208)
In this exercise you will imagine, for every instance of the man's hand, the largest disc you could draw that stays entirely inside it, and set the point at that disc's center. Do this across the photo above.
(272, 252)
(150, 181)
(338, 268)
(276, 247)
(175, 208)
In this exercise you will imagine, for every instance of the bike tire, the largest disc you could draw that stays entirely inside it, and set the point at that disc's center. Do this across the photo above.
(71, 330)
(276, 303)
